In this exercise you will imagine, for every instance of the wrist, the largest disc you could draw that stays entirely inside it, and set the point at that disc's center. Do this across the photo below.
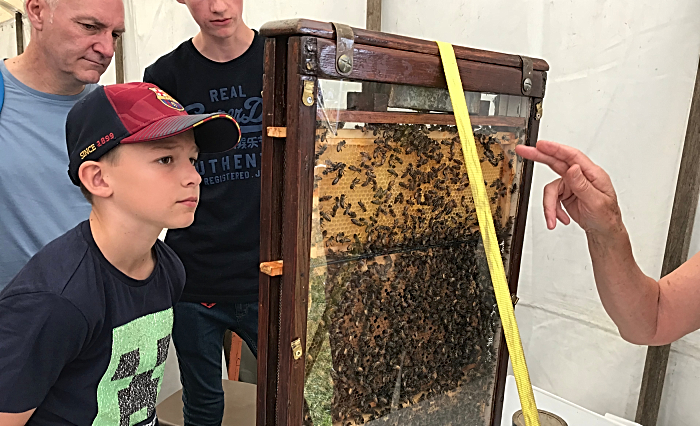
(607, 230)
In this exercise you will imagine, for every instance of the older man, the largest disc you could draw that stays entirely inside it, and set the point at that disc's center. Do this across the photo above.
(71, 46)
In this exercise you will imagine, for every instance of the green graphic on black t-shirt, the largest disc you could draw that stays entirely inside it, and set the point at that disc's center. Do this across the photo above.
(126, 395)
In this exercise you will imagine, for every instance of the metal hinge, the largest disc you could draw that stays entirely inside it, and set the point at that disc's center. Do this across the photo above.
(296, 349)
(538, 111)
(344, 43)
(527, 75)
(307, 97)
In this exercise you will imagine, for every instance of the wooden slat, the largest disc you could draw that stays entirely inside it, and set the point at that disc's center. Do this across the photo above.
(273, 269)
(233, 346)
(385, 65)
(19, 32)
(680, 230)
(271, 182)
(374, 15)
(119, 60)
(418, 118)
(325, 30)
(296, 239)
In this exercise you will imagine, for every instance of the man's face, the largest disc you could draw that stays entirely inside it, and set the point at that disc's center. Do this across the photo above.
(79, 36)
(156, 182)
(217, 18)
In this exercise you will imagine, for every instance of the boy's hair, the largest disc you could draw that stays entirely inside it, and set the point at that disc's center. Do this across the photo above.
(110, 157)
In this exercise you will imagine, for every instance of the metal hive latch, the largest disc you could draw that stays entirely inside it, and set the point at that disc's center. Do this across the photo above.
(344, 42)
(527, 75)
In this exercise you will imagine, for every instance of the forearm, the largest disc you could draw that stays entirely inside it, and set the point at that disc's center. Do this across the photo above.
(629, 296)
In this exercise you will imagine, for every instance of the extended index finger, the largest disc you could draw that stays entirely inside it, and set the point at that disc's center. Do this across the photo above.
(569, 155)
(532, 153)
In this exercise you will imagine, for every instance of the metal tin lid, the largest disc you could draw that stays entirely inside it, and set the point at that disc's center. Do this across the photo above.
(546, 419)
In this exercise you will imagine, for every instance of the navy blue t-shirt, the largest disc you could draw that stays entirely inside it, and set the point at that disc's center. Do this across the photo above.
(80, 341)
(221, 249)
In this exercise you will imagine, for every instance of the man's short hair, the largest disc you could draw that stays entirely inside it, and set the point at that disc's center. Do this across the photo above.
(110, 157)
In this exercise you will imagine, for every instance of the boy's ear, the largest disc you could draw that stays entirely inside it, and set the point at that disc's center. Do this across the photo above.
(91, 174)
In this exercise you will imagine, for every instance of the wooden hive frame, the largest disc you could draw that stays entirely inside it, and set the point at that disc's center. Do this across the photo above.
(297, 54)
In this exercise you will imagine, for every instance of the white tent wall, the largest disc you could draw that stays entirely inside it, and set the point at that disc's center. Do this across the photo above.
(8, 39)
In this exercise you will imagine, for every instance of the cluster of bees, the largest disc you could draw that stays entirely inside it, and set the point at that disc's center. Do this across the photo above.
(410, 311)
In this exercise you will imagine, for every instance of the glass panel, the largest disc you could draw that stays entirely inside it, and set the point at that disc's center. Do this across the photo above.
(402, 324)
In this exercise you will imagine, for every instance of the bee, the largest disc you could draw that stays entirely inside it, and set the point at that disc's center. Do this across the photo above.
(321, 149)
(354, 182)
(362, 206)
(325, 216)
(325, 198)
(358, 222)
(341, 172)
(513, 188)
(355, 169)
(340, 146)
(392, 172)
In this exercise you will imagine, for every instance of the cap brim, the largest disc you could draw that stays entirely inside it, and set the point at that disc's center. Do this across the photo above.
(215, 132)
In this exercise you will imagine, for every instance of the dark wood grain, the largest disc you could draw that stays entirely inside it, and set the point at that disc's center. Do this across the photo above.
(19, 32)
(385, 65)
(397, 42)
(416, 118)
(272, 166)
(680, 230)
(374, 15)
(119, 61)
(296, 243)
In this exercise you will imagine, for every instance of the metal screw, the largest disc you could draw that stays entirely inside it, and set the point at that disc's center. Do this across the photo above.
(309, 66)
(344, 64)
(527, 85)
(309, 100)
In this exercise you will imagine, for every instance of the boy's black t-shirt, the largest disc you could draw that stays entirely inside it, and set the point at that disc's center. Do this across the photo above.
(80, 341)
(221, 249)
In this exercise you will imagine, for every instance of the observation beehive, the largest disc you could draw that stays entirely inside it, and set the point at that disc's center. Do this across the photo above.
(385, 312)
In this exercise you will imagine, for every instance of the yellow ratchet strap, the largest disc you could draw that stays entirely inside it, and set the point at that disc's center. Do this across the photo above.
(488, 233)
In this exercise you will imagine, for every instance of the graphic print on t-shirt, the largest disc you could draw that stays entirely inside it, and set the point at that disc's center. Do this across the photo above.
(234, 165)
(126, 395)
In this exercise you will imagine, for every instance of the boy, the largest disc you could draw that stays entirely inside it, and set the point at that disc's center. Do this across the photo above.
(85, 325)
(220, 69)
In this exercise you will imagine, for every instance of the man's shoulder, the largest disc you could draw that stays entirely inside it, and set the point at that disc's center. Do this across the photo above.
(53, 267)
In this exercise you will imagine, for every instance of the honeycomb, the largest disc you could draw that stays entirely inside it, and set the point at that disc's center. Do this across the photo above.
(402, 324)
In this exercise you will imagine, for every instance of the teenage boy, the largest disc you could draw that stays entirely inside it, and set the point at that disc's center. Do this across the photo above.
(220, 69)
(85, 325)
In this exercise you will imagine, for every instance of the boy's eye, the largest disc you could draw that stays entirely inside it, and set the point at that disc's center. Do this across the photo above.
(165, 160)
(193, 161)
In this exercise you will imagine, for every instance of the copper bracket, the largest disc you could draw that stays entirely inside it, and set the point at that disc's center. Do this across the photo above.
(344, 43)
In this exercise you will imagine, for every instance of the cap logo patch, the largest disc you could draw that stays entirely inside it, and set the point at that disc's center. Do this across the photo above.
(168, 100)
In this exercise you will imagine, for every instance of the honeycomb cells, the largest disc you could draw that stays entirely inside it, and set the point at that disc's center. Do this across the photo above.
(403, 326)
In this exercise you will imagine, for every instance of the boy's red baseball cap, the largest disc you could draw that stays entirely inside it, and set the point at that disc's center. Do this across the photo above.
(138, 112)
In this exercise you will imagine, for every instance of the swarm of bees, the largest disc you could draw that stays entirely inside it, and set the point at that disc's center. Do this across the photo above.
(410, 312)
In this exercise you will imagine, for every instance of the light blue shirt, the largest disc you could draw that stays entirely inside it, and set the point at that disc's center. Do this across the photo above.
(38, 202)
